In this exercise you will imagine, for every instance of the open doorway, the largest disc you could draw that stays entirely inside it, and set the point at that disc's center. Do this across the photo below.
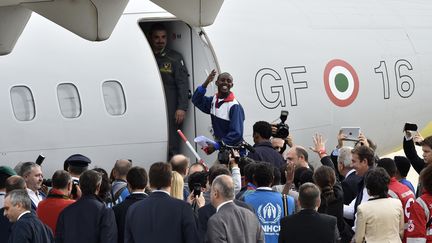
(199, 60)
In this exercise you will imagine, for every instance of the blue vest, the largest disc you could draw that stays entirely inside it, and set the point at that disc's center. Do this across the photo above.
(269, 208)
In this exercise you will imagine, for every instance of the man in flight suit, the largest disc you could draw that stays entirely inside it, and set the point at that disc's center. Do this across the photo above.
(176, 84)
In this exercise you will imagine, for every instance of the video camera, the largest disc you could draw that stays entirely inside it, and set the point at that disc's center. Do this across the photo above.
(47, 182)
(282, 129)
(226, 150)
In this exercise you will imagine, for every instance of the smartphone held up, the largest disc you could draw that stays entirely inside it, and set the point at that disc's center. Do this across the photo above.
(351, 133)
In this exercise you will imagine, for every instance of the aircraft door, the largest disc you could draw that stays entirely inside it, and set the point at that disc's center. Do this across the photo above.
(199, 61)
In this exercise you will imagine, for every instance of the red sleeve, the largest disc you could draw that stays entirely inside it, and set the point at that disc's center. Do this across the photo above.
(416, 226)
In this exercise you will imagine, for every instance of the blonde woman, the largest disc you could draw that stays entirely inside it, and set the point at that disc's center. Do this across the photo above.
(177, 185)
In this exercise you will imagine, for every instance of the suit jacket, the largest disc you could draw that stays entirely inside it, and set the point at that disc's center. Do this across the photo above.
(87, 220)
(308, 226)
(410, 152)
(234, 224)
(208, 210)
(121, 209)
(350, 186)
(160, 218)
(5, 226)
(379, 220)
(33, 205)
(417, 163)
(30, 229)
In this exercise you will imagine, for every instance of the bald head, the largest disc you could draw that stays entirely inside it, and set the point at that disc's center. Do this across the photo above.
(15, 182)
(298, 155)
(196, 167)
(121, 168)
(224, 185)
(180, 163)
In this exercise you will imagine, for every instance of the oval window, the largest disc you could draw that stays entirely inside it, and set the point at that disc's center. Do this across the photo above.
(69, 100)
(23, 103)
(114, 98)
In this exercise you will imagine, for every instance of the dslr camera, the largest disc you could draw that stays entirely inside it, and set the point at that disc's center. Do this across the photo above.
(282, 129)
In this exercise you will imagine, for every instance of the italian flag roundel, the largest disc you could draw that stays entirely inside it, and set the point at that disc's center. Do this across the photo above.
(341, 82)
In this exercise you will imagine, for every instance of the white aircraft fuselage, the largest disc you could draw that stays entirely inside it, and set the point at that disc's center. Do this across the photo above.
(341, 63)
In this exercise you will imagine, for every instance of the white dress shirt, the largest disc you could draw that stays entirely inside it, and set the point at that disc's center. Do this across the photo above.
(34, 196)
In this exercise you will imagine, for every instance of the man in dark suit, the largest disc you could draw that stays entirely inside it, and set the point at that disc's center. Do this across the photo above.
(418, 163)
(27, 227)
(88, 220)
(309, 226)
(12, 183)
(231, 223)
(350, 182)
(160, 218)
(5, 173)
(137, 182)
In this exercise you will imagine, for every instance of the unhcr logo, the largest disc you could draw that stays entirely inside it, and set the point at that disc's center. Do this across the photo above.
(269, 214)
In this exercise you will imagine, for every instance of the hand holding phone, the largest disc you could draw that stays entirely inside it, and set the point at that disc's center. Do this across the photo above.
(350, 133)
(40, 159)
(410, 127)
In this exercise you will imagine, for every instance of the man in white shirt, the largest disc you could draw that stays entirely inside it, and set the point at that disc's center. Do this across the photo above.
(363, 159)
(32, 174)
(350, 182)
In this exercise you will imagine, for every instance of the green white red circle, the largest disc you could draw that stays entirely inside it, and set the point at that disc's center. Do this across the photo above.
(341, 82)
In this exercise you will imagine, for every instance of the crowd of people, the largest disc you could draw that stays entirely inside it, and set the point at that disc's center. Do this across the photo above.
(270, 195)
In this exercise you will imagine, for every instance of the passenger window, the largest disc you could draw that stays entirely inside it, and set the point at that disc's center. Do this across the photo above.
(22, 103)
(69, 100)
(114, 98)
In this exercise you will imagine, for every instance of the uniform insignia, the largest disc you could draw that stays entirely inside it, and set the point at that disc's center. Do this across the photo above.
(410, 227)
(166, 67)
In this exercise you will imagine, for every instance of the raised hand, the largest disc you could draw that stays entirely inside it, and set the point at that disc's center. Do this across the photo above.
(210, 78)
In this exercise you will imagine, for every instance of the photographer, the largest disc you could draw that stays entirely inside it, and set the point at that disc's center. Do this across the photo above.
(281, 139)
(281, 144)
(264, 151)
(197, 183)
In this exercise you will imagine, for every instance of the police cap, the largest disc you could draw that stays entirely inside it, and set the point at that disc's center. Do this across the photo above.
(78, 160)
